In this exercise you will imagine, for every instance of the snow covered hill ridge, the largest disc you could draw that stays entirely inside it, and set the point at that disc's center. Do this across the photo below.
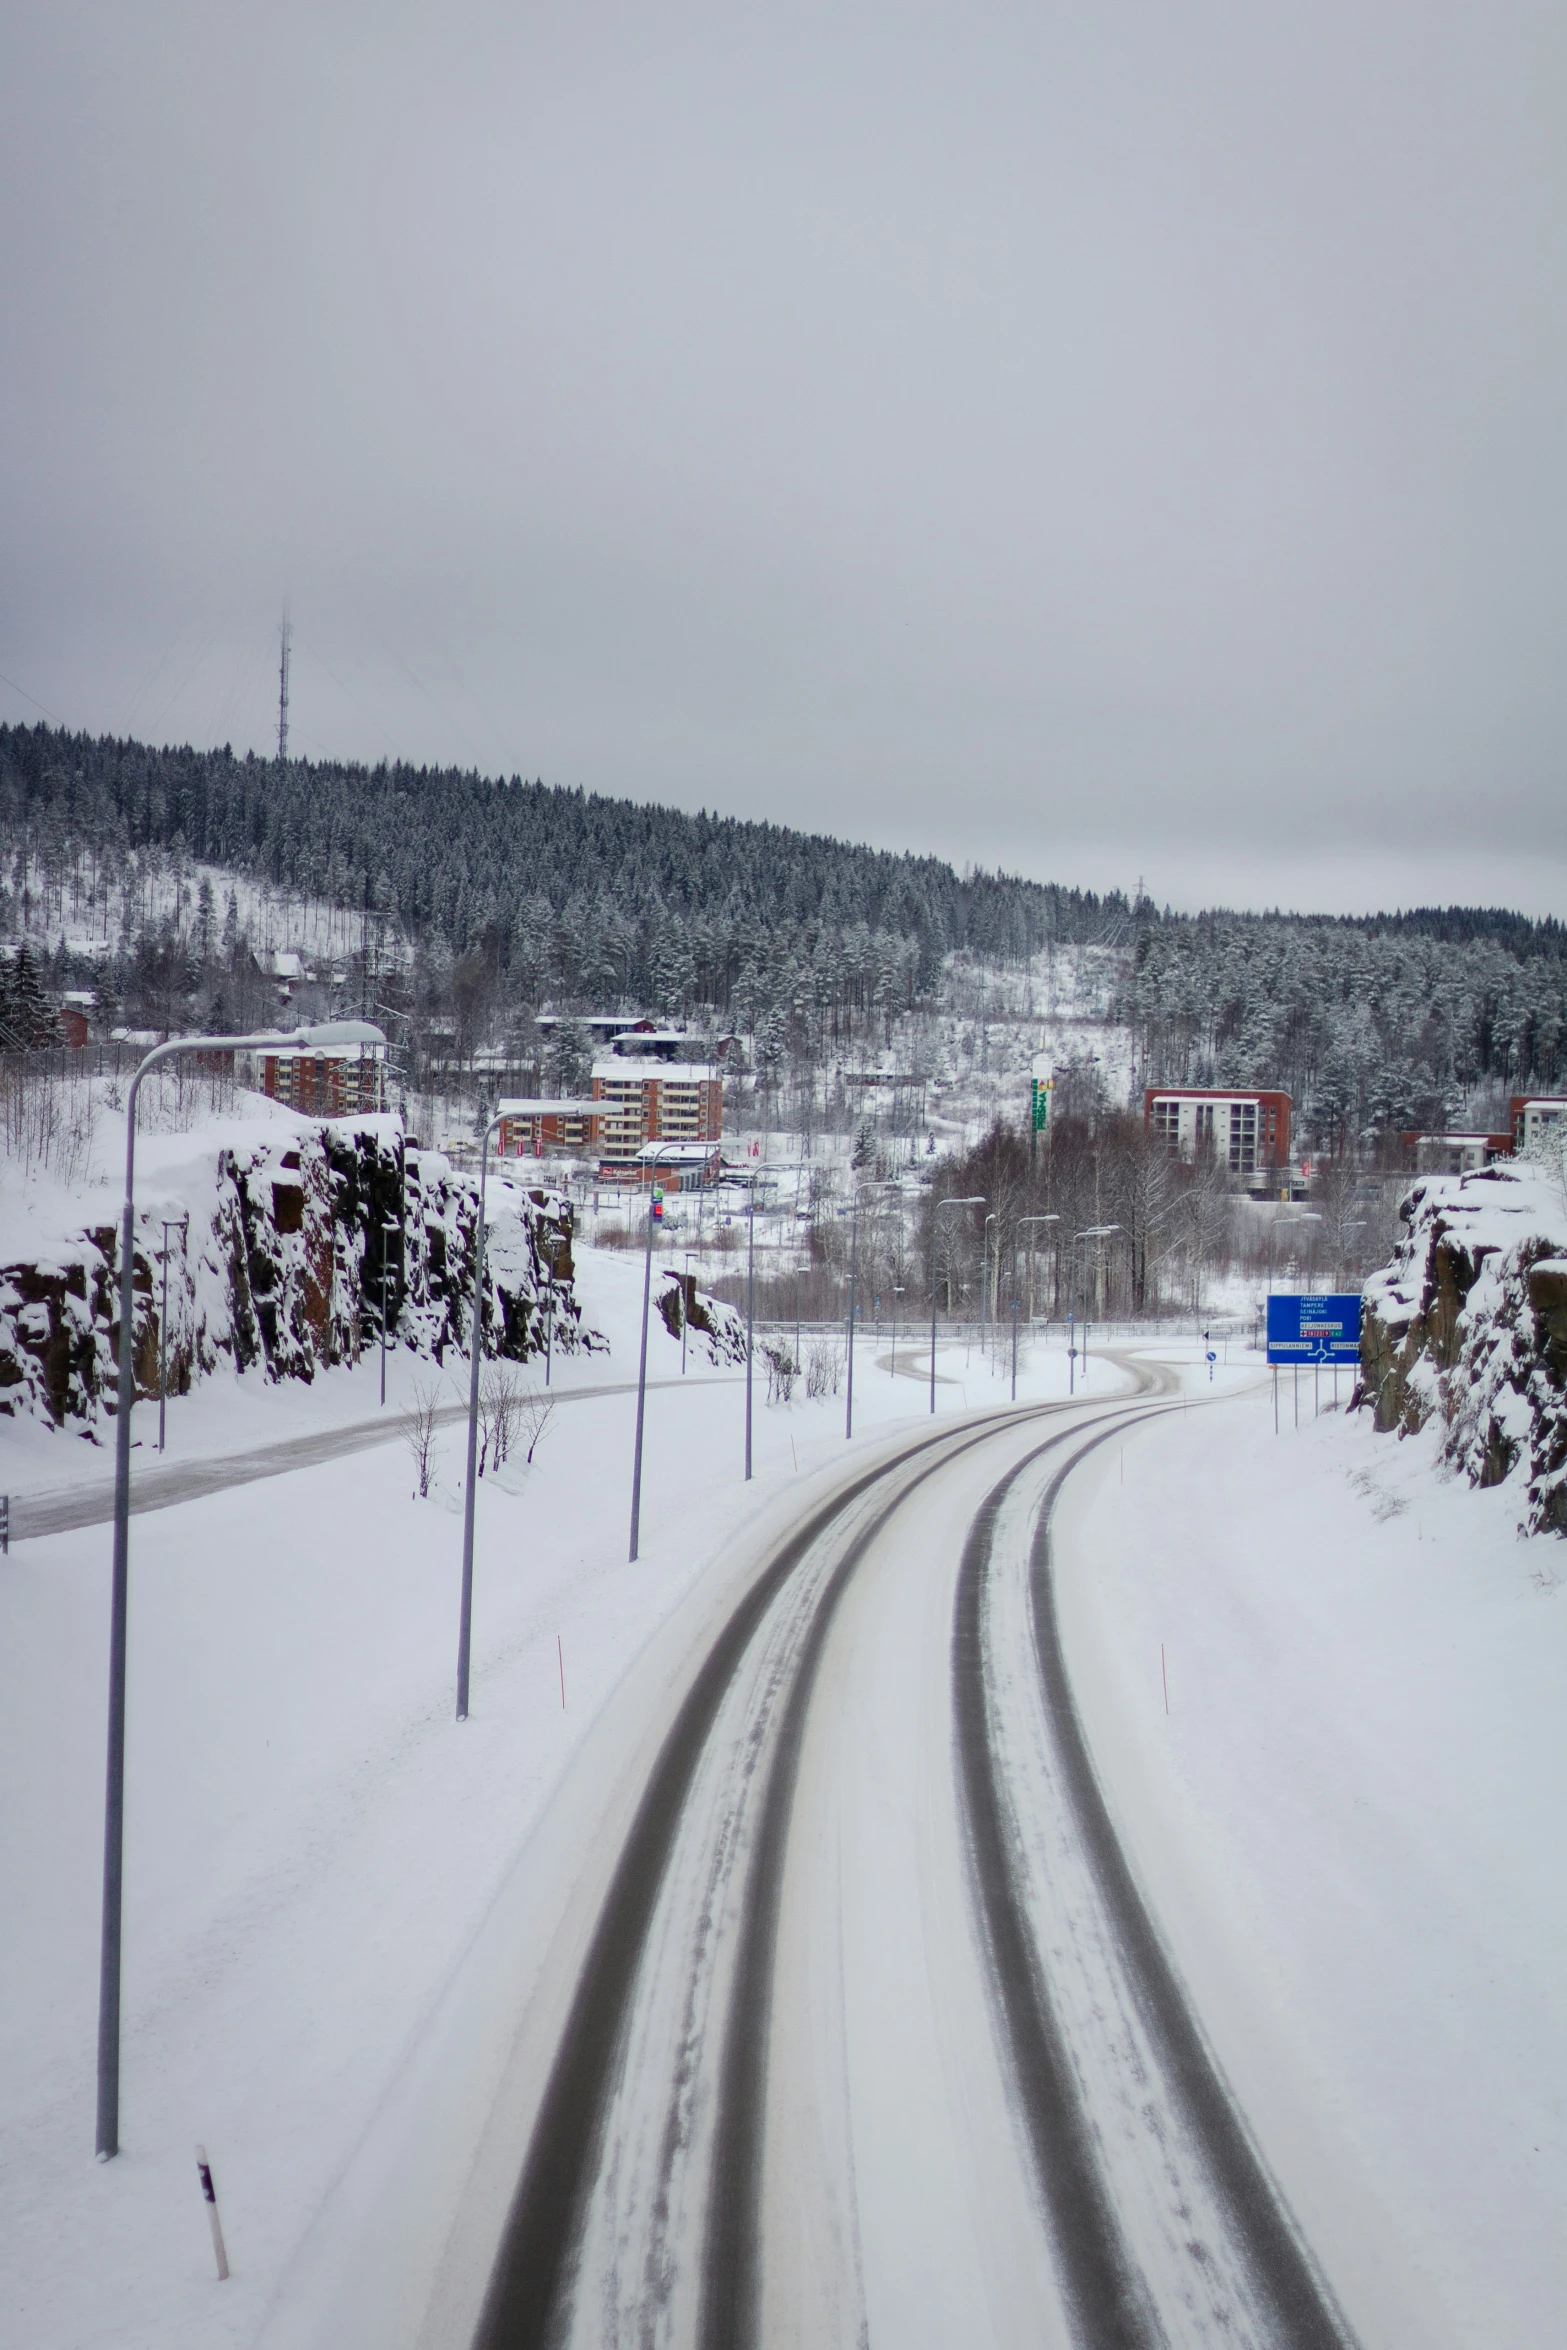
(1469, 1324)
(275, 1228)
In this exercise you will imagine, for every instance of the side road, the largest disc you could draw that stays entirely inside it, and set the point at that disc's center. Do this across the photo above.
(160, 1485)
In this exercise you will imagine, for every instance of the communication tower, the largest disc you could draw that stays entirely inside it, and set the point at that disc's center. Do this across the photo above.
(284, 634)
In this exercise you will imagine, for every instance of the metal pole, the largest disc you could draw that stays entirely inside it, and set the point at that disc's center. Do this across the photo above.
(383, 1317)
(549, 1330)
(636, 1456)
(750, 1317)
(974, 1200)
(163, 1336)
(934, 1210)
(114, 1788)
(108, 2136)
(1014, 1350)
(854, 1266)
(475, 1350)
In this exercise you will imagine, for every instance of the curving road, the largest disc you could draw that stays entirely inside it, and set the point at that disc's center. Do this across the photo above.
(875, 2041)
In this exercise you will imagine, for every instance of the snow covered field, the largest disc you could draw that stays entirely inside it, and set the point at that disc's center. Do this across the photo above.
(336, 1897)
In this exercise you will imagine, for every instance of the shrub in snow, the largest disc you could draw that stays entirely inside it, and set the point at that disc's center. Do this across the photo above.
(1468, 1325)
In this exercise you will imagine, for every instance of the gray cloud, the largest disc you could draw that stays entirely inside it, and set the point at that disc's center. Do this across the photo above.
(1116, 441)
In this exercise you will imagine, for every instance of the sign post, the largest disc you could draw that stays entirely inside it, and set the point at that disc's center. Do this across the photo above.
(1313, 1330)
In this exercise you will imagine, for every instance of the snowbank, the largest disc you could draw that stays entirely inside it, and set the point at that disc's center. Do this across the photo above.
(1468, 1324)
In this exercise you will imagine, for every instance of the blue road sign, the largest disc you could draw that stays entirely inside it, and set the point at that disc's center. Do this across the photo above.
(1313, 1329)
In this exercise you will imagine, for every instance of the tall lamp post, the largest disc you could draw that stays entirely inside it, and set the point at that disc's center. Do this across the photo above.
(1089, 1232)
(685, 1306)
(854, 1268)
(325, 1035)
(653, 1195)
(386, 1233)
(475, 1352)
(1022, 1220)
(181, 1225)
(984, 1278)
(551, 1251)
(750, 1312)
(974, 1199)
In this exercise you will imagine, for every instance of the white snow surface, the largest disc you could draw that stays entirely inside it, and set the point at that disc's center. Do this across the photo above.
(341, 1907)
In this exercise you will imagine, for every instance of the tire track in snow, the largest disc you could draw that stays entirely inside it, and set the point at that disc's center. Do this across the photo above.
(536, 2277)
(1165, 2224)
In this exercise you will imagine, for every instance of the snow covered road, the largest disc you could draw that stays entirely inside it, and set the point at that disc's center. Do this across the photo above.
(874, 2039)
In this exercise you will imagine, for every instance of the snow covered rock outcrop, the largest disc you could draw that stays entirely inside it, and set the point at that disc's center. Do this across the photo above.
(275, 1258)
(1469, 1323)
(712, 1328)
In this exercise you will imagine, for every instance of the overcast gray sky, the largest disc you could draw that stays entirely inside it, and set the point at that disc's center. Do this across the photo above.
(1111, 441)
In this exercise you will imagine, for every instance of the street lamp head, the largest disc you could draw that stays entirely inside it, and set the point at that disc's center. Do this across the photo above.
(327, 1033)
(972, 1199)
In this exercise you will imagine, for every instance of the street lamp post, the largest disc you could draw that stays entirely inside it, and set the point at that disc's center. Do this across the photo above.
(335, 1032)
(750, 1314)
(974, 1199)
(1022, 1220)
(386, 1231)
(984, 1282)
(897, 1292)
(636, 1454)
(854, 1267)
(180, 1224)
(1089, 1232)
(475, 1350)
(685, 1307)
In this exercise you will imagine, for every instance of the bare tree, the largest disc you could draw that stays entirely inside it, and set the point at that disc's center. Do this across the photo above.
(535, 1410)
(419, 1422)
(500, 1402)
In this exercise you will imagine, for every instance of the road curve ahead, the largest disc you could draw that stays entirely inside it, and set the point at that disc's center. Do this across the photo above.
(875, 2041)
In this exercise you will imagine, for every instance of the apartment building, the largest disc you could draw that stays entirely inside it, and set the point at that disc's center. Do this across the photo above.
(1246, 1133)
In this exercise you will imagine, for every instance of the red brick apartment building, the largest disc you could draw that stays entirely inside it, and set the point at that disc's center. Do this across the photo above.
(326, 1084)
(1246, 1132)
(639, 1099)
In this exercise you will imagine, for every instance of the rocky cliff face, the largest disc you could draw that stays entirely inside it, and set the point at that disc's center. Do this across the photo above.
(1469, 1324)
(279, 1262)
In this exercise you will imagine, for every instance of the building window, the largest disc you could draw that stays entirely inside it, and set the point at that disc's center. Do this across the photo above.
(1243, 1138)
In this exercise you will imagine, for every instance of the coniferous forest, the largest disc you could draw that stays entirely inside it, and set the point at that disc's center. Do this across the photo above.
(470, 902)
